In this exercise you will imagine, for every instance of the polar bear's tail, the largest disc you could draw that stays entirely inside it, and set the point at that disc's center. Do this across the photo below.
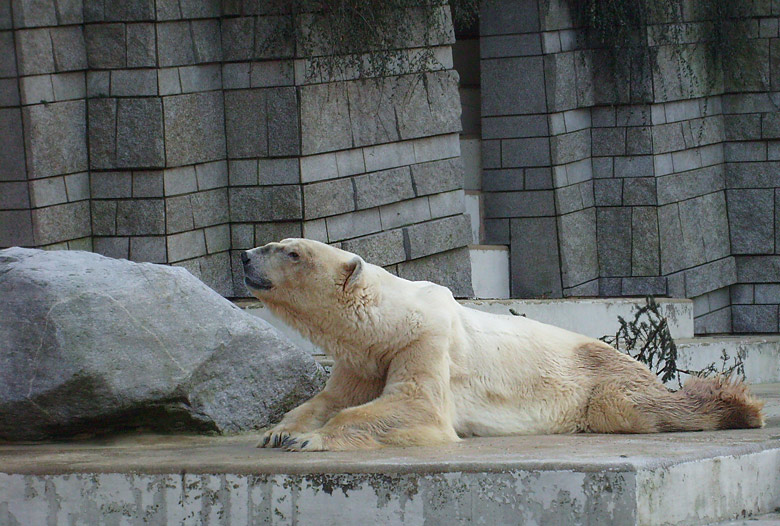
(708, 403)
(628, 398)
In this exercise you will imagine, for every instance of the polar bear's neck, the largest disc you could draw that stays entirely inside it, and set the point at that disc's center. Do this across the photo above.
(335, 328)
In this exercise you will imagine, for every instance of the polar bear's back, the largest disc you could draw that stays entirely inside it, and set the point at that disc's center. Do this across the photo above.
(516, 376)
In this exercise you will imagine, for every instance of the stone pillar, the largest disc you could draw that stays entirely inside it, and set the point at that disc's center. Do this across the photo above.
(752, 165)
(517, 180)
(635, 200)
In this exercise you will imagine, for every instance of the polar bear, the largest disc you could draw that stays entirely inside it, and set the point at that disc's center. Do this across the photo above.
(414, 367)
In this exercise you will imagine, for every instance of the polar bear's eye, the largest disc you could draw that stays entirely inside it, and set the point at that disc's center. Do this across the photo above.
(294, 256)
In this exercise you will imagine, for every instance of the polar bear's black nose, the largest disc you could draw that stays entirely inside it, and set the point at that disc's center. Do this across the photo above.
(244, 258)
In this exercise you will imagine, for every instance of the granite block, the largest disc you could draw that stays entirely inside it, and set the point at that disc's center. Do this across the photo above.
(47, 192)
(106, 46)
(519, 153)
(354, 224)
(265, 203)
(283, 125)
(210, 208)
(438, 235)
(194, 128)
(510, 86)
(578, 245)
(614, 241)
(56, 138)
(112, 247)
(148, 184)
(751, 216)
(451, 269)
(140, 217)
(405, 213)
(139, 133)
(328, 198)
(103, 217)
(645, 249)
(534, 258)
(34, 53)
(61, 222)
(752, 319)
(148, 249)
(383, 187)
(246, 123)
(12, 155)
(384, 248)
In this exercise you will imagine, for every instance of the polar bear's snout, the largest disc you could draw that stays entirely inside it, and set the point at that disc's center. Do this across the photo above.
(254, 277)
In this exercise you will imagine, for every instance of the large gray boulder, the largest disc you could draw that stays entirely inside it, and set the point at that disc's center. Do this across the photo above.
(90, 344)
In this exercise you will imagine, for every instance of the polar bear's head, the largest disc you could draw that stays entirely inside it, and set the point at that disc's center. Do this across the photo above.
(300, 272)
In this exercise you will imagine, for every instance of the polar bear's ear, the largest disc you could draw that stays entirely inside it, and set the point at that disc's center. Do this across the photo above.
(354, 271)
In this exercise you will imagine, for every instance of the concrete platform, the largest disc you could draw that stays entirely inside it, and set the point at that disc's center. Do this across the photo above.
(681, 478)
(770, 519)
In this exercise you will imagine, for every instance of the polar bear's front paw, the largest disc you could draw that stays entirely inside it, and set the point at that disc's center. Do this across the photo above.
(304, 442)
(276, 435)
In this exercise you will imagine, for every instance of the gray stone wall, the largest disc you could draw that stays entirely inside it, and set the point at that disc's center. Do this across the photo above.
(185, 132)
(44, 181)
(645, 182)
(388, 148)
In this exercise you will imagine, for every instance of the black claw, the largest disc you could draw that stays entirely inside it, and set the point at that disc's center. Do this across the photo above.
(285, 441)
(304, 444)
(277, 439)
(267, 439)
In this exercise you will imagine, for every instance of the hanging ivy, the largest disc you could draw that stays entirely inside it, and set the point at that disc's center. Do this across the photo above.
(706, 40)
(367, 38)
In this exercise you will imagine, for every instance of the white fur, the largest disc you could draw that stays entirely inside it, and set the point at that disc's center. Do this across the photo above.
(412, 366)
(483, 374)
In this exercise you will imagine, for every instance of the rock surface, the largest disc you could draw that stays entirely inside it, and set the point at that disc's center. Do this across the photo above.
(90, 344)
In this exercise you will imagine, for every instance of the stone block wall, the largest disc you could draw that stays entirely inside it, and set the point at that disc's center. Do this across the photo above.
(185, 132)
(388, 182)
(631, 178)
(158, 168)
(752, 158)
(262, 127)
(44, 180)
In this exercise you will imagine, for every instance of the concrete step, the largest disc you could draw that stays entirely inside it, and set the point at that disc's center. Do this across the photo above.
(595, 317)
(770, 519)
(761, 354)
(676, 478)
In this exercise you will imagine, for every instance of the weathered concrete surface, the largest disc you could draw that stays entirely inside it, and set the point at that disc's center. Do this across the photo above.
(761, 354)
(680, 478)
(89, 344)
(594, 317)
(770, 519)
